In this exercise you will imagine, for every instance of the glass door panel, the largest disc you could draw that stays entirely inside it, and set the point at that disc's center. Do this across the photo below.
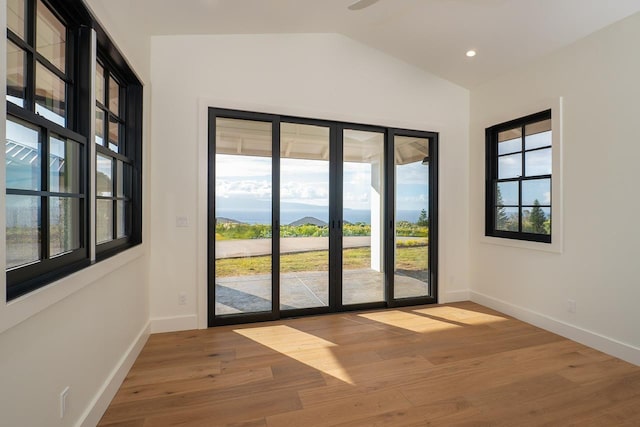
(304, 216)
(411, 265)
(243, 216)
(363, 216)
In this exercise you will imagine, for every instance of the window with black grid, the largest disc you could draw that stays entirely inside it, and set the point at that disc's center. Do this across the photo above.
(519, 165)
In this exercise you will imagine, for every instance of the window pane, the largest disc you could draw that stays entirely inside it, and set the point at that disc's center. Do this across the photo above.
(50, 37)
(23, 230)
(507, 194)
(538, 135)
(104, 221)
(114, 96)
(126, 180)
(510, 141)
(304, 207)
(64, 165)
(243, 212)
(538, 162)
(121, 224)
(64, 225)
(411, 261)
(536, 190)
(15, 17)
(22, 156)
(120, 178)
(100, 84)
(510, 166)
(536, 219)
(363, 211)
(507, 219)
(16, 76)
(50, 95)
(114, 132)
(99, 126)
(104, 176)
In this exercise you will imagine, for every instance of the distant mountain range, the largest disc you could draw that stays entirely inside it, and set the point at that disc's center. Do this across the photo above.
(248, 211)
(309, 220)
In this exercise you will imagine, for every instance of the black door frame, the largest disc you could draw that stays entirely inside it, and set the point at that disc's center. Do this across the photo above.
(340, 220)
(336, 130)
(433, 219)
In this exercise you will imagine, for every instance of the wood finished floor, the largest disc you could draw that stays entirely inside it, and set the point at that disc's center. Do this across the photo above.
(448, 365)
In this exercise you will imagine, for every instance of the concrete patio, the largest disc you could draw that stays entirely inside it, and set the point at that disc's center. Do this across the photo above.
(249, 294)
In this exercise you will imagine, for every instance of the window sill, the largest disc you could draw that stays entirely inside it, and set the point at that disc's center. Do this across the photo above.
(22, 308)
(523, 244)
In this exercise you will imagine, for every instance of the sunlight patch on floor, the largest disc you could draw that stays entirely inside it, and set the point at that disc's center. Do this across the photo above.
(409, 321)
(301, 346)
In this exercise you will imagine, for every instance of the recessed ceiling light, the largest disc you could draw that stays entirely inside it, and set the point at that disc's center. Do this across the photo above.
(361, 4)
(471, 53)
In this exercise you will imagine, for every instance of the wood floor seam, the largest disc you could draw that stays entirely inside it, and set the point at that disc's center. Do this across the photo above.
(435, 365)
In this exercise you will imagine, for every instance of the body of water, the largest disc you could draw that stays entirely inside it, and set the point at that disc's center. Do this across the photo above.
(289, 216)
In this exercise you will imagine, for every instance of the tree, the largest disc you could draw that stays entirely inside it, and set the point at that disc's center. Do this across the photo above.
(501, 214)
(537, 218)
(423, 220)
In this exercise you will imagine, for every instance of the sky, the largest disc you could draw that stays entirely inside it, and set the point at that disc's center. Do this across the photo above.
(536, 162)
(307, 182)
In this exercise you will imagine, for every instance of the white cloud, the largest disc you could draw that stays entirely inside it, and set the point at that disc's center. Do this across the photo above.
(228, 166)
(243, 188)
(412, 173)
(313, 193)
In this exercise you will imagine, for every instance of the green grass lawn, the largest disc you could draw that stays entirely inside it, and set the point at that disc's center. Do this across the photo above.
(407, 258)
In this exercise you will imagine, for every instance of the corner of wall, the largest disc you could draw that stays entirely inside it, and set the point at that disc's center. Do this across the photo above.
(174, 323)
(109, 388)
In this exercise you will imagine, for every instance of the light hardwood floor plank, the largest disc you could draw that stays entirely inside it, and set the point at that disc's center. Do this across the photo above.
(458, 364)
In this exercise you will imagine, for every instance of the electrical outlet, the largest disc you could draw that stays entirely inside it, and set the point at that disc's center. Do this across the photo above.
(571, 305)
(182, 221)
(182, 298)
(64, 395)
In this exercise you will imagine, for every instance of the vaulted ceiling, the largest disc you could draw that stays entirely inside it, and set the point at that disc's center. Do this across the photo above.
(431, 34)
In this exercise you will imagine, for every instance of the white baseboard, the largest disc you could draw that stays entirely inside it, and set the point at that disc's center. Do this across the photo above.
(605, 344)
(174, 323)
(101, 401)
(454, 296)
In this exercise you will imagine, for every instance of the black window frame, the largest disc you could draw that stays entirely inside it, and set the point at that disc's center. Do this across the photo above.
(492, 180)
(129, 152)
(80, 53)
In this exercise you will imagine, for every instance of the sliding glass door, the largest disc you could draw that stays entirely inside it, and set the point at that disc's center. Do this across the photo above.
(304, 215)
(310, 216)
(243, 211)
(412, 214)
(363, 216)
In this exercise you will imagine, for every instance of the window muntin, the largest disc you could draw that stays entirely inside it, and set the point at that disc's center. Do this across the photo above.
(519, 179)
(45, 201)
(37, 56)
(46, 155)
(50, 37)
(50, 95)
(114, 164)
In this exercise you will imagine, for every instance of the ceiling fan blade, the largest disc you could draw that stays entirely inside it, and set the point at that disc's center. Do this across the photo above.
(361, 4)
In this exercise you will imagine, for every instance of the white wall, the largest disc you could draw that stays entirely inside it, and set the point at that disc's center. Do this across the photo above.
(598, 266)
(315, 75)
(82, 331)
